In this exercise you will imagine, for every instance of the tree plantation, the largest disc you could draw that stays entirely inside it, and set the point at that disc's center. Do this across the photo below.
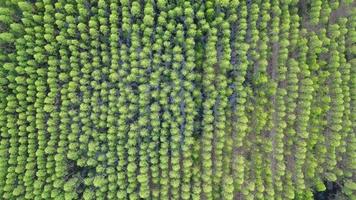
(177, 99)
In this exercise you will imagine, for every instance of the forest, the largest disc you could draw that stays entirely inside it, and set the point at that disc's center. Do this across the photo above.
(178, 99)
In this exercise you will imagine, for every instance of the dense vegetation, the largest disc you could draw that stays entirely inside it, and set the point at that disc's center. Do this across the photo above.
(183, 99)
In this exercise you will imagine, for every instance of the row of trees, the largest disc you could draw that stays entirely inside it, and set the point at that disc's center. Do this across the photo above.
(130, 99)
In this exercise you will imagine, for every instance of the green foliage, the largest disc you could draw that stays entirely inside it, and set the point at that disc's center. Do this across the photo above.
(6, 37)
(176, 99)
